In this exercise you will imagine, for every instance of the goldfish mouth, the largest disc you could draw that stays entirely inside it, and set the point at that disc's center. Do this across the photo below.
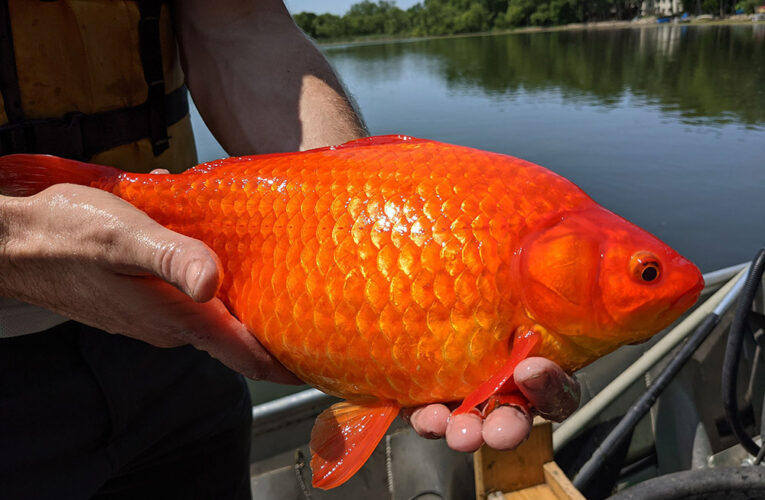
(641, 341)
(685, 302)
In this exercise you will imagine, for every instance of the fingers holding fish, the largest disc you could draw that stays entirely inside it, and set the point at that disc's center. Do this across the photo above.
(506, 428)
(157, 313)
(428, 421)
(435, 421)
(552, 392)
(465, 432)
(236, 347)
(214, 330)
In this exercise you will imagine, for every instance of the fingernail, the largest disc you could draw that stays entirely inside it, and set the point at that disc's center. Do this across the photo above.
(536, 382)
(193, 271)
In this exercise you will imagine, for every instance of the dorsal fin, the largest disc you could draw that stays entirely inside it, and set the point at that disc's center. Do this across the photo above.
(344, 436)
(211, 165)
(378, 140)
(364, 141)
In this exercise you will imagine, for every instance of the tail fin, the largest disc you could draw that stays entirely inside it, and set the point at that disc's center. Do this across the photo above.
(25, 175)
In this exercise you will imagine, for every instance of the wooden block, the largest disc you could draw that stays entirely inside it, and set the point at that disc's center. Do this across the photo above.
(516, 469)
(556, 487)
(538, 492)
(559, 483)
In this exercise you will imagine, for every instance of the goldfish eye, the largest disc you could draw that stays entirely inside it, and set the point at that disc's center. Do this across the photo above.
(650, 272)
(645, 267)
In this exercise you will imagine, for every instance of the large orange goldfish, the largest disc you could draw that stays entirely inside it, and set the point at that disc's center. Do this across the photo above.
(394, 271)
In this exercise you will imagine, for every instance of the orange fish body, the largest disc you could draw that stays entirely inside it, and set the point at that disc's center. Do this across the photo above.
(393, 271)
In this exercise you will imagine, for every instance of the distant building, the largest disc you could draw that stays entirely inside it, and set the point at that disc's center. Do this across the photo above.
(661, 7)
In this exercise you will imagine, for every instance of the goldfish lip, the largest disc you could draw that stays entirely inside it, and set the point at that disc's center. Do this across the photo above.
(691, 295)
(685, 301)
(641, 341)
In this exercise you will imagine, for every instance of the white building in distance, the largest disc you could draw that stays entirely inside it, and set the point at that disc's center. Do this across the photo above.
(661, 7)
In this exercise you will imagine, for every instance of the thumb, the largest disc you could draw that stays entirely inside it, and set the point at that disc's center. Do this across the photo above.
(186, 263)
(551, 391)
(189, 265)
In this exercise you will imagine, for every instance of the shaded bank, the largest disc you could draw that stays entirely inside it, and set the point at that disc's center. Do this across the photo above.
(647, 22)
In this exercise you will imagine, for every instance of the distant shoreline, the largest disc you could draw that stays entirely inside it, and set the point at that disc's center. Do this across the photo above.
(372, 39)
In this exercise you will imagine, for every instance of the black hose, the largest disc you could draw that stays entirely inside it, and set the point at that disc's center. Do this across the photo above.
(624, 428)
(726, 483)
(733, 353)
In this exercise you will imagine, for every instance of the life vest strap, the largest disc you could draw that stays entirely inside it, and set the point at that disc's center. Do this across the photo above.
(9, 81)
(79, 136)
(151, 59)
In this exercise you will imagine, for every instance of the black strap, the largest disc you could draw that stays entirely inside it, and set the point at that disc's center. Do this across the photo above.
(151, 58)
(80, 136)
(9, 80)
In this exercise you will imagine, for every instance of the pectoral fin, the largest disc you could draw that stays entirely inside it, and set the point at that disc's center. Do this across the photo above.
(343, 438)
(514, 398)
(502, 380)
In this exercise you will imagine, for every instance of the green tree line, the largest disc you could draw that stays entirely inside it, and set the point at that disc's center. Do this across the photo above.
(449, 17)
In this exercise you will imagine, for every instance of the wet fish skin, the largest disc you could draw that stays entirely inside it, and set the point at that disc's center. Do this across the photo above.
(394, 271)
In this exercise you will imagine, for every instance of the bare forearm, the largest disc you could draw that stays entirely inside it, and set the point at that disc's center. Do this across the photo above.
(260, 84)
(6, 215)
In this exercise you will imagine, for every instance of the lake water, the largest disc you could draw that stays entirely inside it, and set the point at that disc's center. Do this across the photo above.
(662, 125)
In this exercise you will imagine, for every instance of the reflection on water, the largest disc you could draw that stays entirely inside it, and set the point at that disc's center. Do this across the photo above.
(704, 73)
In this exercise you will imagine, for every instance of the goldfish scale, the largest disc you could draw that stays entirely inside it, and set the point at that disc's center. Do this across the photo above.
(402, 270)
(396, 268)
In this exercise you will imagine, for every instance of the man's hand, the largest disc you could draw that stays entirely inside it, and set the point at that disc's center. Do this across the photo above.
(92, 257)
(552, 393)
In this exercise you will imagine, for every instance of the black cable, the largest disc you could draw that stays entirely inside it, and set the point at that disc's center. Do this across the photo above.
(624, 428)
(731, 483)
(758, 459)
(642, 462)
(733, 353)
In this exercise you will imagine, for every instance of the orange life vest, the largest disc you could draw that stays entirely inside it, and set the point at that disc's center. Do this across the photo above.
(96, 80)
